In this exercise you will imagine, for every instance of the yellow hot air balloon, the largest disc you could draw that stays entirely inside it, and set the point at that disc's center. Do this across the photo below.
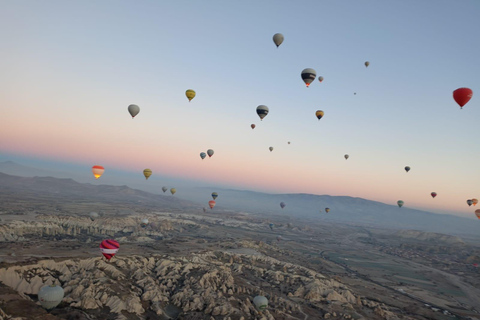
(147, 173)
(319, 114)
(172, 191)
(190, 94)
(97, 171)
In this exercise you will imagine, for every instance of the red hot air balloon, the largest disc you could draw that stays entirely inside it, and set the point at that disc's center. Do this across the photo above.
(434, 194)
(252, 125)
(462, 96)
(109, 248)
(211, 203)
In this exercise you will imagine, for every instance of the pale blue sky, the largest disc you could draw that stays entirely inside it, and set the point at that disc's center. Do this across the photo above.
(72, 67)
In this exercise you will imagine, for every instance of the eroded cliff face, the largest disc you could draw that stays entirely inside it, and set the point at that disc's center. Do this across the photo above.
(219, 285)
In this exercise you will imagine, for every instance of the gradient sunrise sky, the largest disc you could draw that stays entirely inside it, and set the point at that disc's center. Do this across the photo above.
(69, 70)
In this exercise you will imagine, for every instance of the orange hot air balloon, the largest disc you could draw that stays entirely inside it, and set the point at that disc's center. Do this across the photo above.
(97, 171)
(433, 194)
(462, 96)
(474, 202)
(211, 203)
(252, 125)
(477, 213)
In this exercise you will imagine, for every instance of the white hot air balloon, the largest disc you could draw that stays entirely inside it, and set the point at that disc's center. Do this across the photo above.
(93, 215)
(50, 296)
(260, 302)
(278, 39)
(133, 109)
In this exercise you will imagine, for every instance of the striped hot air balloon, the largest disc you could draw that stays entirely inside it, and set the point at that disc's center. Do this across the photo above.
(97, 171)
(109, 248)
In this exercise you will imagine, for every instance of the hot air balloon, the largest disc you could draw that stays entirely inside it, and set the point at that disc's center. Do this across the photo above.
(147, 173)
(204, 209)
(278, 39)
(97, 171)
(346, 156)
(319, 114)
(474, 201)
(327, 210)
(288, 142)
(203, 155)
(477, 213)
(271, 226)
(133, 109)
(214, 195)
(144, 223)
(260, 302)
(164, 189)
(400, 203)
(308, 75)
(462, 96)
(211, 203)
(109, 248)
(270, 148)
(433, 194)
(367, 63)
(190, 94)
(172, 191)
(262, 111)
(407, 168)
(282, 205)
(320, 79)
(93, 216)
(252, 125)
(50, 296)
(210, 152)
(469, 202)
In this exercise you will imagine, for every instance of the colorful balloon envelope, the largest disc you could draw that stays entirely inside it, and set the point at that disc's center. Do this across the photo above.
(308, 75)
(278, 39)
(400, 203)
(407, 168)
(282, 205)
(320, 79)
(433, 194)
(133, 109)
(190, 94)
(144, 223)
(319, 114)
(164, 189)
(203, 155)
(98, 171)
(172, 191)
(50, 296)
(477, 213)
(474, 201)
(109, 248)
(262, 111)
(252, 126)
(214, 195)
(327, 210)
(469, 202)
(211, 204)
(147, 173)
(462, 96)
(210, 152)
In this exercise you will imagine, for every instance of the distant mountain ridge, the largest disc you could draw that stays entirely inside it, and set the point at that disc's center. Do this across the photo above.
(344, 209)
